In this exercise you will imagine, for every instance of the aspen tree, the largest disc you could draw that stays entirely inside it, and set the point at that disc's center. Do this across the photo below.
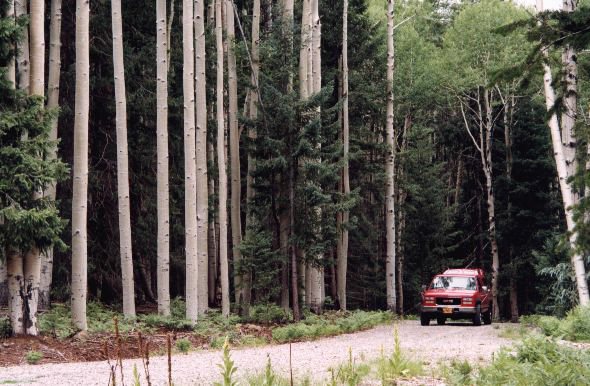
(122, 163)
(201, 155)
(163, 195)
(190, 174)
(390, 168)
(80, 188)
(52, 103)
(221, 164)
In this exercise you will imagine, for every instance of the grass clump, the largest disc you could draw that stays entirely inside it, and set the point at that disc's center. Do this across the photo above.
(538, 360)
(349, 373)
(459, 373)
(398, 365)
(33, 357)
(330, 323)
(183, 345)
(574, 327)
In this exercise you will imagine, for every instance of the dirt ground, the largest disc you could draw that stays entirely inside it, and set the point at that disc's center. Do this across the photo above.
(432, 345)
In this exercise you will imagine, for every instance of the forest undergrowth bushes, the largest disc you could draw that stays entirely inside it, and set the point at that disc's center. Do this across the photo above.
(538, 360)
(253, 330)
(574, 327)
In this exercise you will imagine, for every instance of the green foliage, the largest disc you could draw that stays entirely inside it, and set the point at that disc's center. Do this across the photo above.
(575, 327)
(349, 373)
(398, 365)
(315, 326)
(459, 373)
(227, 367)
(540, 361)
(57, 322)
(5, 328)
(268, 313)
(136, 381)
(33, 357)
(183, 345)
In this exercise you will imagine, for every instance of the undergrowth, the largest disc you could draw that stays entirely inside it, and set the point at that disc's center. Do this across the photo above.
(397, 365)
(574, 327)
(330, 323)
(538, 361)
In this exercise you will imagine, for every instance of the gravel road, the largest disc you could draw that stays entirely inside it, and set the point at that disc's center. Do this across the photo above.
(432, 345)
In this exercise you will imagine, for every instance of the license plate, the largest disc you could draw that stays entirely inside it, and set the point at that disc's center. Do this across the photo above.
(447, 310)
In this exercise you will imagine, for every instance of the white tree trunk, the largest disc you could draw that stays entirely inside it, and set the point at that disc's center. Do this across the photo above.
(234, 150)
(80, 188)
(211, 235)
(32, 269)
(52, 103)
(122, 163)
(14, 266)
(201, 156)
(190, 172)
(163, 194)
(221, 165)
(390, 169)
(566, 190)
(11, 69)
(22, 50)
(316, 292)
(342, 261)
(304, 50)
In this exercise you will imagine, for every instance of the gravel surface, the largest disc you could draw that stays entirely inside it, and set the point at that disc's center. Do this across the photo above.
(432, 345)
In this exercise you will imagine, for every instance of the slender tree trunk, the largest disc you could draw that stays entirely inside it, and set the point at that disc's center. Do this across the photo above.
(566, 189)
(234, 150)
(211, 235)
(16, 284)
(284, 232)
(52, 103)
(221, 165)
(169, 35)
(201, 156)
(390, 169)
(253, 115)
(342, 261)
(491, 200)
(190, 172)
(80, 188)
(11, 77)
(122, 163)
(22, 50)
(163, 194)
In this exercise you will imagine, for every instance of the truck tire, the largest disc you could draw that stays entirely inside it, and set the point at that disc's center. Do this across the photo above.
(477, 317)
(424, 320)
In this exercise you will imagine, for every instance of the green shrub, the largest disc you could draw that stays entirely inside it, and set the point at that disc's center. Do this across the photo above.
(539, 360)
(575, 326)
(459, 373)
(398, 365)
(57, 322)
(33, 357)
(183, 345)
(167, 322)
(5, 328)
(267, 313)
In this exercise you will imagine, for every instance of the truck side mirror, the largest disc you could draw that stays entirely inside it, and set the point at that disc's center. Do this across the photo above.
(485, 288)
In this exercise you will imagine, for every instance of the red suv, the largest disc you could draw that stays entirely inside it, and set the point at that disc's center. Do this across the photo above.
(457, 294)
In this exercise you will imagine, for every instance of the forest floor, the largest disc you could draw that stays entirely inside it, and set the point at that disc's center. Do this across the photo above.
(433, 345)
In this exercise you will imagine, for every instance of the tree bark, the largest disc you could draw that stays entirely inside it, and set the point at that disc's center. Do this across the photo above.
(10, 76)
(16, 284)
(342, 258)
(122, 163)
(52, 103)
(163, 193)
(80, 188)
(201, 156)
(221, 165)
(390, 169)
(577, 260)
(22, 51)
(234, 150)
(190, 172)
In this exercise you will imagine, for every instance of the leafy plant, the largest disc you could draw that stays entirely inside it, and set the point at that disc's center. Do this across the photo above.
(5, 328)
(397, 365)
(349, 373)
(228, 369)
(33, 357)
(183, 345)
(268, 313)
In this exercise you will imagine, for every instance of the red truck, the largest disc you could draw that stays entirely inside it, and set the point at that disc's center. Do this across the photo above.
(457, 294)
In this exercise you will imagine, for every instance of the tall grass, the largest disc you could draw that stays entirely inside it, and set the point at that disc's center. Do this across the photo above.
(574, 327)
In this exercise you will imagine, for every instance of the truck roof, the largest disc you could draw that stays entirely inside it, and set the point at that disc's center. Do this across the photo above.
(464, 272)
